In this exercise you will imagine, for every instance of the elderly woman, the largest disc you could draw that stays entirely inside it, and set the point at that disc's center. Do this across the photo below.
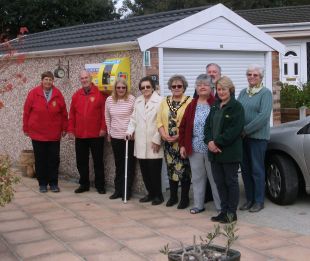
(191, 136)
(118, 109)
(45, 120)
(223, 135)
(169, 117)
(257, 103)
(148, 147)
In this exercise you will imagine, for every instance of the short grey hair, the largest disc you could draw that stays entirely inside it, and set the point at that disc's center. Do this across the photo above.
(203, 79)
(178, 77)
(216, 65)
(256, 67)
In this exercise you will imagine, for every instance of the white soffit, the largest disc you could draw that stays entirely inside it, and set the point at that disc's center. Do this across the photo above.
(187, 24)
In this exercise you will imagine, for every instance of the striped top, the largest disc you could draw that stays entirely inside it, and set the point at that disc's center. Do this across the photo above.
(117, 116)
(257, 109)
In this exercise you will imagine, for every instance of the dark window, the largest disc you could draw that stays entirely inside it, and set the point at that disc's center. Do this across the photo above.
(290, 53)
(285, 69)
(296, 68)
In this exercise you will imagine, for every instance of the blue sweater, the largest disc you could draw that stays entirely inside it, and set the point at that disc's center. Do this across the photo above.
(257, 111)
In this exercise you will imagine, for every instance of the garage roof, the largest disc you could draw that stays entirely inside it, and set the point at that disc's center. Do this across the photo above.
(126, 30)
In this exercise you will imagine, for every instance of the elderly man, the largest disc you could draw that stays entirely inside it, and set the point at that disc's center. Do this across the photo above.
(87, 125)
(214, 71)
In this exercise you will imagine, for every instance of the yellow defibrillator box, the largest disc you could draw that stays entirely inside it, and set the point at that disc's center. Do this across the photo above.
(112, 69)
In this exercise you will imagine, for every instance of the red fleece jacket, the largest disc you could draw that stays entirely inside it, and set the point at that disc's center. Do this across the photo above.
(42, 120)
(187, 125)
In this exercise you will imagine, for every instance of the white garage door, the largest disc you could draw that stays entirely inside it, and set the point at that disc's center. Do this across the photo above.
(191, 63)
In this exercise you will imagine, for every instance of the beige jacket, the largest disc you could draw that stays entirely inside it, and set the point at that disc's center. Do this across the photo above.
(143, 125)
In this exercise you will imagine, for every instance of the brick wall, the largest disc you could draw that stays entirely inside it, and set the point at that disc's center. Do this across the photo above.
(276, 88)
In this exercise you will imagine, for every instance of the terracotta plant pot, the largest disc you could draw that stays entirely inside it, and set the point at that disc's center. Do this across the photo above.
(26, 163)
(213, 253)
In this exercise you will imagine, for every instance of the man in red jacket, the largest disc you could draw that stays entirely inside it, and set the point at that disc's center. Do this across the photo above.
(87, 125)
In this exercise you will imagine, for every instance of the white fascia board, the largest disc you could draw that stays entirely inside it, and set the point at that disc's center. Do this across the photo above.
(292, 34)
(168, 32)
(124, 46)
(285, 27)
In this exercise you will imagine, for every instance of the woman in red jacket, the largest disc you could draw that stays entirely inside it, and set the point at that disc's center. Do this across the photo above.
(45, 120)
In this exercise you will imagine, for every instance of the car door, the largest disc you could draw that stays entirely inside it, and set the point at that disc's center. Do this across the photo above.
(305, 131)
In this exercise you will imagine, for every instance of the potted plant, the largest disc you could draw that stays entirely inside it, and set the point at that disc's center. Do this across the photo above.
(7, 180)
(205, 251)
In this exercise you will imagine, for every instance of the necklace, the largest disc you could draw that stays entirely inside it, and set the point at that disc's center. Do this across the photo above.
(174, 110)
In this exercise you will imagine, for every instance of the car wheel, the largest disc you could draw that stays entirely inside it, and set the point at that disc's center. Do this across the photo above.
(281, 179)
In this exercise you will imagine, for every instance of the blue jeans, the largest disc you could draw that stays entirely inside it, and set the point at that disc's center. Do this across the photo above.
(253, 169)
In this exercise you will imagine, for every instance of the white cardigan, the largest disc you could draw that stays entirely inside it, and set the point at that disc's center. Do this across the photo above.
(143, 124)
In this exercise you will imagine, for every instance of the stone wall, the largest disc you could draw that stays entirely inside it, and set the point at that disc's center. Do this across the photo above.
(12, 139)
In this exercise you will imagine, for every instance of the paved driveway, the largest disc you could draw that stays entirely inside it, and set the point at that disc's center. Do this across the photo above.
(89, 226)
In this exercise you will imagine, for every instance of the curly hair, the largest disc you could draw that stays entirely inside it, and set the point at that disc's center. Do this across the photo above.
(177, 77)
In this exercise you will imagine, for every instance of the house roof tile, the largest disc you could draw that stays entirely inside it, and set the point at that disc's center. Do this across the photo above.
(125, 30)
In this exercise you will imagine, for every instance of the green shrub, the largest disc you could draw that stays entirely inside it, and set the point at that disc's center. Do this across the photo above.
(292, 96)
(7, 180)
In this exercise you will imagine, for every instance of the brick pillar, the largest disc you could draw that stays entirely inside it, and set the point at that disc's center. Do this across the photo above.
(276, 87)
(153, 69)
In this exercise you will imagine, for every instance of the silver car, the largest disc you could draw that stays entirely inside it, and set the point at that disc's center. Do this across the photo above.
(288, 161)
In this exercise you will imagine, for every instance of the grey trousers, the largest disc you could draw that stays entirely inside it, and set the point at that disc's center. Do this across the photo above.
(201, 170)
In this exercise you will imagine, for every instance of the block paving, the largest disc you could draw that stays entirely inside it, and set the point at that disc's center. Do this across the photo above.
(66, 226)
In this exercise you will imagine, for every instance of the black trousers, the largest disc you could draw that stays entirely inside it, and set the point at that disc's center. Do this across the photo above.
(46, 154)
(226, 179)
(82, 149)
(119, 147)
(151, 173)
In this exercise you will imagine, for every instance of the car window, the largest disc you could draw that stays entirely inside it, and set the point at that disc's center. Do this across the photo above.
(305, 129)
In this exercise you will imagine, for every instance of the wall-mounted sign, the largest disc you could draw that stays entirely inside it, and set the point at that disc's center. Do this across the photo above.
(155, 78)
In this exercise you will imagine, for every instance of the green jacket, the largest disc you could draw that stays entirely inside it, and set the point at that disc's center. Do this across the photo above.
(228, 128)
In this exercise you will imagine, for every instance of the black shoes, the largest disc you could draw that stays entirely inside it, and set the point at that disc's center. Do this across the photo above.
(246, 206)
(184, 203)
(219, 217)
(171, 202)
(252, 207)
(54, 188)
(115, 195)
(256, 207)
(225, 218)
(145, 199)
(81, 189)
(157, 201)
(101, 190)
(43, 189)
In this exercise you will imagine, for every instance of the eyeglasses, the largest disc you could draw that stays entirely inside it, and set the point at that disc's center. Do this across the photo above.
(121, 87)
(145, 87)
(252, 74)
(178, 86)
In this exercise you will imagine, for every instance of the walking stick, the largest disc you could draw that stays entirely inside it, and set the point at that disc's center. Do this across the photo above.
(126, 167)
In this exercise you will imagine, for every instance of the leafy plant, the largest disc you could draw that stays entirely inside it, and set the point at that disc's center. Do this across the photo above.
(230, 233)
(292, 96)
(7, 181)
(205, 250)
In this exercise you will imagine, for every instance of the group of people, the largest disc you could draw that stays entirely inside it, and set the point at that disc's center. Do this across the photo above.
(202, 139)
